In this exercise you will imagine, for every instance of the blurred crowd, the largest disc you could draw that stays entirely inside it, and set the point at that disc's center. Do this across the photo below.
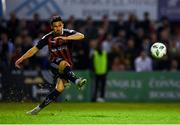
(127, 42)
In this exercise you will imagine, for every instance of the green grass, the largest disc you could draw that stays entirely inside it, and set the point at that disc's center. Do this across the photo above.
(108, 113)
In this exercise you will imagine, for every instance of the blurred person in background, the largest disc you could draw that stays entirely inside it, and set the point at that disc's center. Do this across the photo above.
(3, 25)
(131, 25)
(163, 24)
(100, 68)
(93, 43)
(34, 25)
(59, 43)
(80, 60)
(120, 39)
(119, 24)
(106, 24)
(17, 51)
(143, 62)
(12, 25)
(90, 29)
(139, 37)
(146, 44)
(165, 36)
(130, 53)
(118, 64)
(146, 23)
(70, 23)
(22, 27)
(107, 43)
(6, 50)
(174, 65)
(153, 37)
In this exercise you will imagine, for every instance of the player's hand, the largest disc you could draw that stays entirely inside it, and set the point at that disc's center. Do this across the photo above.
(18, 64)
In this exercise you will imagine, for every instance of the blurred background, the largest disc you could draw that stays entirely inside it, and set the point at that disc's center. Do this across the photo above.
(114, 56)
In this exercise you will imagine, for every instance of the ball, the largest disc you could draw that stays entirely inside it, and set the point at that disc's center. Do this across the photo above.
(158, 50)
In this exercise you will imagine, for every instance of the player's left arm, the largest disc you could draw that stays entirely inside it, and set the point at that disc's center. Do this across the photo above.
(76, 36)
(72, 35)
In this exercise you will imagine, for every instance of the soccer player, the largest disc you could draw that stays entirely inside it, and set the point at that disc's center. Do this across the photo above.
(59, 42)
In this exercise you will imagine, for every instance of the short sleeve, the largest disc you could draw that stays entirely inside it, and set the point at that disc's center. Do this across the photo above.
(43, 42)
(69, 32)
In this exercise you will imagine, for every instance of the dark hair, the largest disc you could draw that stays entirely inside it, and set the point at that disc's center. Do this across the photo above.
(55, 19)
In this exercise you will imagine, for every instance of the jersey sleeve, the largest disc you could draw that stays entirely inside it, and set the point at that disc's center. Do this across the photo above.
(43, 42)
(69, 32)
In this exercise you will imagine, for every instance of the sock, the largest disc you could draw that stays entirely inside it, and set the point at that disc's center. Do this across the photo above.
(69, 74)
(51, 97)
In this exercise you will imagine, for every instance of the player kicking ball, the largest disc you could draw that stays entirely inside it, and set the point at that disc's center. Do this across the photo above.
(59, 42)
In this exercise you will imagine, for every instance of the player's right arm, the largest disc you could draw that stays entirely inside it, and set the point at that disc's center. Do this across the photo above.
(27, 55)
(43, 42)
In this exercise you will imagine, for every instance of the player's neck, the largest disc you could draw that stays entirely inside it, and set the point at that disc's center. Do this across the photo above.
(58, 34)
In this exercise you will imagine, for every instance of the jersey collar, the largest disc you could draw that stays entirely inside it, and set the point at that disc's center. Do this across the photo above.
(62, 32)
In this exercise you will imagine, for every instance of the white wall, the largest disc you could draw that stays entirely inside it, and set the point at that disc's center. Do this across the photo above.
(82, 8)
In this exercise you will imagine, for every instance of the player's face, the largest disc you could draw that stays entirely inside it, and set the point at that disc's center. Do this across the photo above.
(57, 27)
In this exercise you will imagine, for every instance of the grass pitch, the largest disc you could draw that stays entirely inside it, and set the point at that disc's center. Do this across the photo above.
(91, 113)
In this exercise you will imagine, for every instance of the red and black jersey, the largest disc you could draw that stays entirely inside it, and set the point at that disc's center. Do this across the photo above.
(58, 48)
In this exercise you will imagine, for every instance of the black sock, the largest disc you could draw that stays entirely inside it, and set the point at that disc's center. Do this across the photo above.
(49, 98)
(69, 74)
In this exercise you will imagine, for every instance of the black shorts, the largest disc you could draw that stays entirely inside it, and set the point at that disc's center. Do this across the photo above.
(55, 70)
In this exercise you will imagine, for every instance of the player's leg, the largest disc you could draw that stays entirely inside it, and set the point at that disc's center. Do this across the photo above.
(65, 68)
(54, 94)
(49, 98)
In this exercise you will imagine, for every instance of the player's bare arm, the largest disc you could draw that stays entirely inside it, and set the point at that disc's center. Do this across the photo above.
(27, 55)
(76, 36)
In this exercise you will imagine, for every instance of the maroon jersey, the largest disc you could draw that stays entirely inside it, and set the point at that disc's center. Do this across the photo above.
(58, 49)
